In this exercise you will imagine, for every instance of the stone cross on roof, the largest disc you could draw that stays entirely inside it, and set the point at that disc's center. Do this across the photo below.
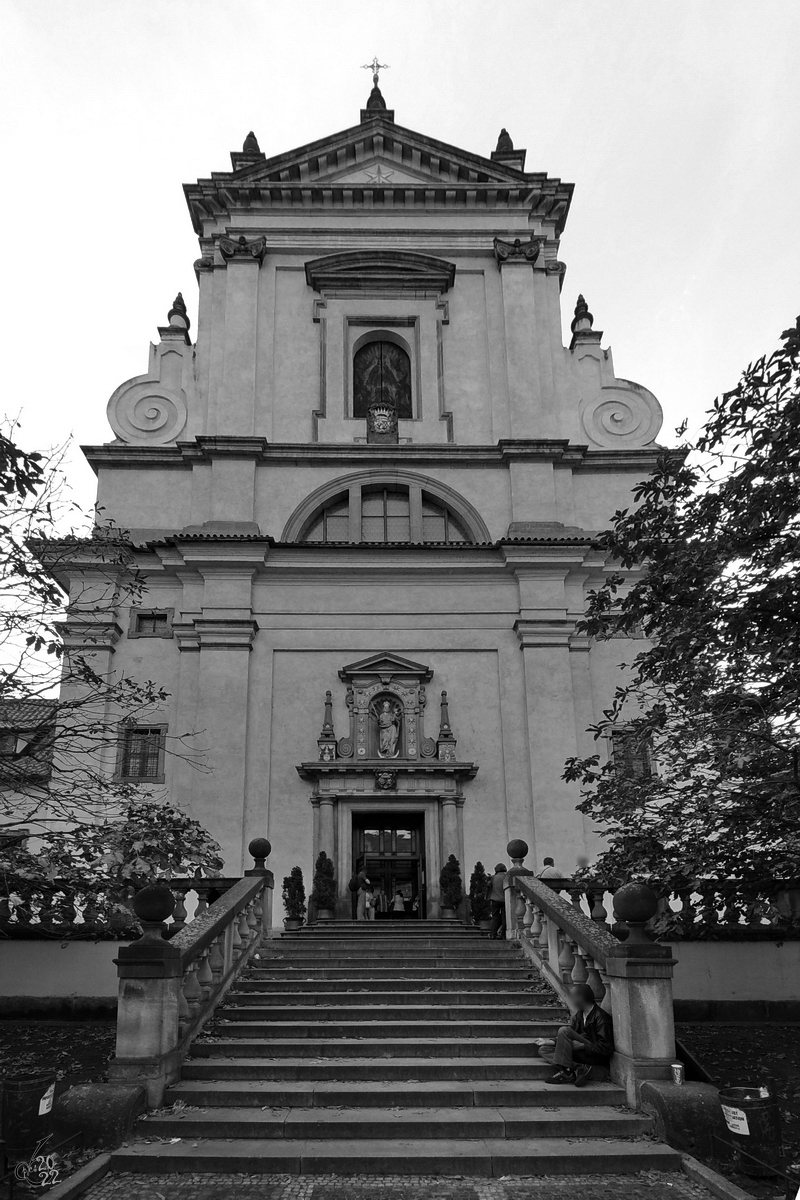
(375, 67)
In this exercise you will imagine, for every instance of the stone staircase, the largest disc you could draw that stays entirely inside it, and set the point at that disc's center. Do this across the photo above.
(388, 1048)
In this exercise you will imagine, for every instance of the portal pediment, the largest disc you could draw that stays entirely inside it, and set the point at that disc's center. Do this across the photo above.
(385, 667)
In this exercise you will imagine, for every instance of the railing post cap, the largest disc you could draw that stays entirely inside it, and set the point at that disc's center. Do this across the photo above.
(635, 902)
(517, 848)
(260, 848)
(154, 903)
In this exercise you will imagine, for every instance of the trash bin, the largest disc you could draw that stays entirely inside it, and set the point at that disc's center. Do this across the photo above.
(754, 1124)
(27, 1111)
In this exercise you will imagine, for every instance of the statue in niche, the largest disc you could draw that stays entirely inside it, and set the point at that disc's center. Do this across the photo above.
(388, 718)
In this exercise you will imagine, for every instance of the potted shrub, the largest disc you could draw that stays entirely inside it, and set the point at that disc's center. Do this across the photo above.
(451, 887)
(479, 897)
(294, 899)
(323, 893)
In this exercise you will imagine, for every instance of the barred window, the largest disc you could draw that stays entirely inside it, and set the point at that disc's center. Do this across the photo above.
(151, 622)
(142, 752)
(631, 754)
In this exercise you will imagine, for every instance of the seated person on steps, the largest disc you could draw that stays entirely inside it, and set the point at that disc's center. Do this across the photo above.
(587, 1041)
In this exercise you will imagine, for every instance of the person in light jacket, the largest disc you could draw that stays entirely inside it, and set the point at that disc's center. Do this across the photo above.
(497, 899)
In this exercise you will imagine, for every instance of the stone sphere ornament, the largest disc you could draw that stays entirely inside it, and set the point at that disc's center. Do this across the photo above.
(154, 903)
(517, 848)
(260, 848)
(635, 903)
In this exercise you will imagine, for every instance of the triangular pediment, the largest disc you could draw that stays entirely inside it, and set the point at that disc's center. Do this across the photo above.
(387, 666)
(375, 162)
(415, 157)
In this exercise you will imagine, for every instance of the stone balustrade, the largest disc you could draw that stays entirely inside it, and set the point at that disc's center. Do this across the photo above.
(170, 986)
(631, 980)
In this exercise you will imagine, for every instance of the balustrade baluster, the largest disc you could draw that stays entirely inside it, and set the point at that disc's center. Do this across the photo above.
(535, 931)
(236, 943)
(576, 895)
(184, 1012)
(566, 959)
(258, 913)
(252, 922)
(527, 920)
(244, 929)
(595, 980)
(179, 915)
(202, 899)
(544, 938)
(579, 972)
(216, 960)
(597, 910)
(192, 991)
(205, 978)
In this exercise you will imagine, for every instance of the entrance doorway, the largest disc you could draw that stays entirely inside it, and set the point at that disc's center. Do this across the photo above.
(390, 847)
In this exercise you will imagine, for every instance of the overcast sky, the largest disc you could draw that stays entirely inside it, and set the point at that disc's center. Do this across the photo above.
(678, 123)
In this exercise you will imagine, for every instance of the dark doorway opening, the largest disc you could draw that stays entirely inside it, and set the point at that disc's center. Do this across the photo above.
(390, 847)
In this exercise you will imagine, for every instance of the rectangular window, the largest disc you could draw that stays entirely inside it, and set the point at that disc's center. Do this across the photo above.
(151, 622)
(142, 752)
(631, 754)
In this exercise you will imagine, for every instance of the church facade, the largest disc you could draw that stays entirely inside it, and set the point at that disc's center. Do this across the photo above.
(363, 499)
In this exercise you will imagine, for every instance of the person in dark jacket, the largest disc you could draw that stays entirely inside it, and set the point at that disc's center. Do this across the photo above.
(587, 1041)
(497, 898)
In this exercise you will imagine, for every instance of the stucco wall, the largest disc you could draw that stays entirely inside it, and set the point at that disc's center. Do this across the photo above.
(737, 971)
(55, 969)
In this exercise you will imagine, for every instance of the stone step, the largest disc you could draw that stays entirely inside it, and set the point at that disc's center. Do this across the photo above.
(252, 992)
(364, 959)
(400, 954)
(488, 1157)
(465, 940)
(431, 988)
(428, 972)
(251, 1006)
(410, 1047)
(239, 1024)
(382, 1093)
(237, 1061)
(419, 1122)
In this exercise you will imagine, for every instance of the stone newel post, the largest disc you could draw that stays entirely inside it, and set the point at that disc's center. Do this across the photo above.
(260, 849)
(639, 976)
(150, 976)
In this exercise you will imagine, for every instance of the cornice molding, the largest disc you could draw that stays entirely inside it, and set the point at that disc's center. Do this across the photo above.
(293, 454)
(395, 270)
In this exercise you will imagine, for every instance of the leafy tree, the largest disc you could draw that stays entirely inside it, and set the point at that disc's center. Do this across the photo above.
(79, 881)
(712, 695)
(479, 893)
(323, 893)
(450, 883)
(63, 580)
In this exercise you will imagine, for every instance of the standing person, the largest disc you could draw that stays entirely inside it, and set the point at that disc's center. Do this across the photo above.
(550, 871)
(497, 898)
(398, 906)
(372, 902)
(363, 889)
(586, 1042)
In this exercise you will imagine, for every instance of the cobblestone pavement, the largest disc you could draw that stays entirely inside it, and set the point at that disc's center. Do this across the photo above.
(650, 1185)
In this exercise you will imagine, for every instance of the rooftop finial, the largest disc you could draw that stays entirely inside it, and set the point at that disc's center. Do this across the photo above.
(504, 143)
(583, 319)
(251, 145)
(376, 101)
(177, 315)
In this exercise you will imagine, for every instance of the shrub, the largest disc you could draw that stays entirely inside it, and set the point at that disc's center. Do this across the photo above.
(323, 893)
(294, 894)
(478, 893)
(450, 883)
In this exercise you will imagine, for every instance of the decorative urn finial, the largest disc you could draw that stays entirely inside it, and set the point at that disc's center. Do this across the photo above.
(504, 143)
(583, 319)
(251, 145)
(177, 315)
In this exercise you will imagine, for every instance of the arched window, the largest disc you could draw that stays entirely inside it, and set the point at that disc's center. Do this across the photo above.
(382, 374)
(385, 514)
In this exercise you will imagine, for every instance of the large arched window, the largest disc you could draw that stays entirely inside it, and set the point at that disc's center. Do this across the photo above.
(382, 375)
(386, 514)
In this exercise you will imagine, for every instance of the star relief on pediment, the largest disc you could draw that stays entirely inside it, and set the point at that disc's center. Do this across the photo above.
(378, 173)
